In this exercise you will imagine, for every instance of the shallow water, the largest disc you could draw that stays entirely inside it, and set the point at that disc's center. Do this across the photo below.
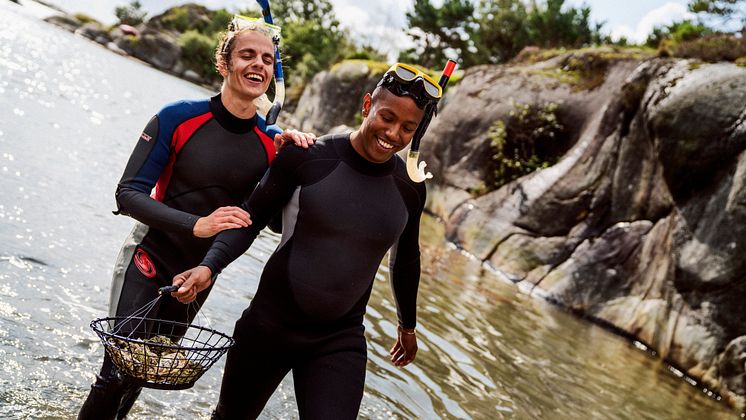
(70, 113)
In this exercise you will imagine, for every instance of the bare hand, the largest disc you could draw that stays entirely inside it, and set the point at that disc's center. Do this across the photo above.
(221, 219)
(299, 138)
(191, 282)
(405, 349)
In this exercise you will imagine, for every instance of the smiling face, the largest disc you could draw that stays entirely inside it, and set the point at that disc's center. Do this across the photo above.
(250, 67)
(389, 125)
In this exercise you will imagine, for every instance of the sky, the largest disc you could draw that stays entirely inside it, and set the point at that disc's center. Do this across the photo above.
(381, 23)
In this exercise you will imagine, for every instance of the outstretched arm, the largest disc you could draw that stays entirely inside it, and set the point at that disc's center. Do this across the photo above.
(272, 193)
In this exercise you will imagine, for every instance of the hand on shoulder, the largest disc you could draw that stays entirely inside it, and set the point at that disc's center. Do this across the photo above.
(299, 138)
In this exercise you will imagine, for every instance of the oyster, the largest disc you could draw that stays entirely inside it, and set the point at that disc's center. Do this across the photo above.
(157, 359)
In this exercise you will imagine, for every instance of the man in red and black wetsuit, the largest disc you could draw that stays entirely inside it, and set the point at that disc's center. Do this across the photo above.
(203, 158)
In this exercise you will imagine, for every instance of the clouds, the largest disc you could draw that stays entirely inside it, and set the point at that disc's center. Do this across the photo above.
(380, 23)
(660, 16)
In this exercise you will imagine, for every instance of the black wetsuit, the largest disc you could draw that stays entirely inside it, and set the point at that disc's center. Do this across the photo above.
(198, 157)
(341, 215)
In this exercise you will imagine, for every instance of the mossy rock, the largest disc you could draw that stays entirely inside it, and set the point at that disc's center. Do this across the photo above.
(356, 69)
(584, 69)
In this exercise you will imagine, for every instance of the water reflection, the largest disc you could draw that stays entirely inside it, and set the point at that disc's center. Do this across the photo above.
(68, 123)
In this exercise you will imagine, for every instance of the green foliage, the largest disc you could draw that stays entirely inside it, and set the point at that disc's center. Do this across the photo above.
(686, 30)
(435, 30)
(308, 49)
(178, 19)
(218, 22)
(725, 15)
(551, 26)
(502, 32)
(530, 139)
(320, 12)
(85, 18)
(132, 14)
(365, 53)
(494, 31)
(193, 16)
(311, 38)
(197, 53)
(712, 48)
(698, 38)
(584, 69)
(718, 7)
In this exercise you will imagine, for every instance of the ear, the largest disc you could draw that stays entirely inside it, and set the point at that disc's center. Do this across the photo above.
(367, 102)
(222, 67)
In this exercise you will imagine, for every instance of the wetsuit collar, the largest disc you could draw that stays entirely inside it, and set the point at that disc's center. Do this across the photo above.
(351, 157)
(229, 121)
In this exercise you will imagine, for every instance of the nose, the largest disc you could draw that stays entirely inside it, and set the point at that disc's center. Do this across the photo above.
(392, 131)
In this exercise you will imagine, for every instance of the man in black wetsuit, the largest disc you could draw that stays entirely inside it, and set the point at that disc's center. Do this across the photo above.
(346, 201)
(202, 158)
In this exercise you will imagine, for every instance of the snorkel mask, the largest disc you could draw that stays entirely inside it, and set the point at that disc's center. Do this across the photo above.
(269, 109)
(404, 80)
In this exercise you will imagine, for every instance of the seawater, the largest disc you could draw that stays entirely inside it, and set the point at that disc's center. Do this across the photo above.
(71, 112)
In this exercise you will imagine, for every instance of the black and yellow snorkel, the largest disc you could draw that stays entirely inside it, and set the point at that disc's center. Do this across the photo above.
(404, 80)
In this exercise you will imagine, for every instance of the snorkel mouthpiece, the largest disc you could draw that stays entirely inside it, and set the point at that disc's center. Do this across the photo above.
(415, 170)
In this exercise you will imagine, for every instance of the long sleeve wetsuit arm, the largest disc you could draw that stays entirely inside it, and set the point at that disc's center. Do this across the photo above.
(273, 192)
(144, 168)
(404, 262)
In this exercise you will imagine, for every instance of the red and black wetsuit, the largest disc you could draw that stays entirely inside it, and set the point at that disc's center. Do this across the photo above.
(341, 214)
(194, 156)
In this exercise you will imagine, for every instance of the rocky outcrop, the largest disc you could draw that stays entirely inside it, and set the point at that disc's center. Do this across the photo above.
(640, 225)
(334, 97)
(159, 49)
(153, 41)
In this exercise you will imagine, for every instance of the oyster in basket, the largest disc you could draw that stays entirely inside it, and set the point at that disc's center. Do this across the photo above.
(149, 360)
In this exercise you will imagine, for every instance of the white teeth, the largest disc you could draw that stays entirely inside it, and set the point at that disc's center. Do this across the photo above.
(255, 77)
(384, 144)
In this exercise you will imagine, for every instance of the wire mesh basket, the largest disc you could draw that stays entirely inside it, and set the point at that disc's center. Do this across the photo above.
(158, 353)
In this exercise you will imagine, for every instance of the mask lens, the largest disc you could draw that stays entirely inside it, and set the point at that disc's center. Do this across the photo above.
(404, 73)
(431, 89)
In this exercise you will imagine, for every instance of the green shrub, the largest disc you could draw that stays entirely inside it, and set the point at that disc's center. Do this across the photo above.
(85, 18)
(197, 53)
(530, 139)
(219, 22)
(178, 19)
(132, 14)
(719, 47)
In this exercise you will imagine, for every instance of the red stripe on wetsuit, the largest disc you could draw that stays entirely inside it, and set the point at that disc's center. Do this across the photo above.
(182, 134)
